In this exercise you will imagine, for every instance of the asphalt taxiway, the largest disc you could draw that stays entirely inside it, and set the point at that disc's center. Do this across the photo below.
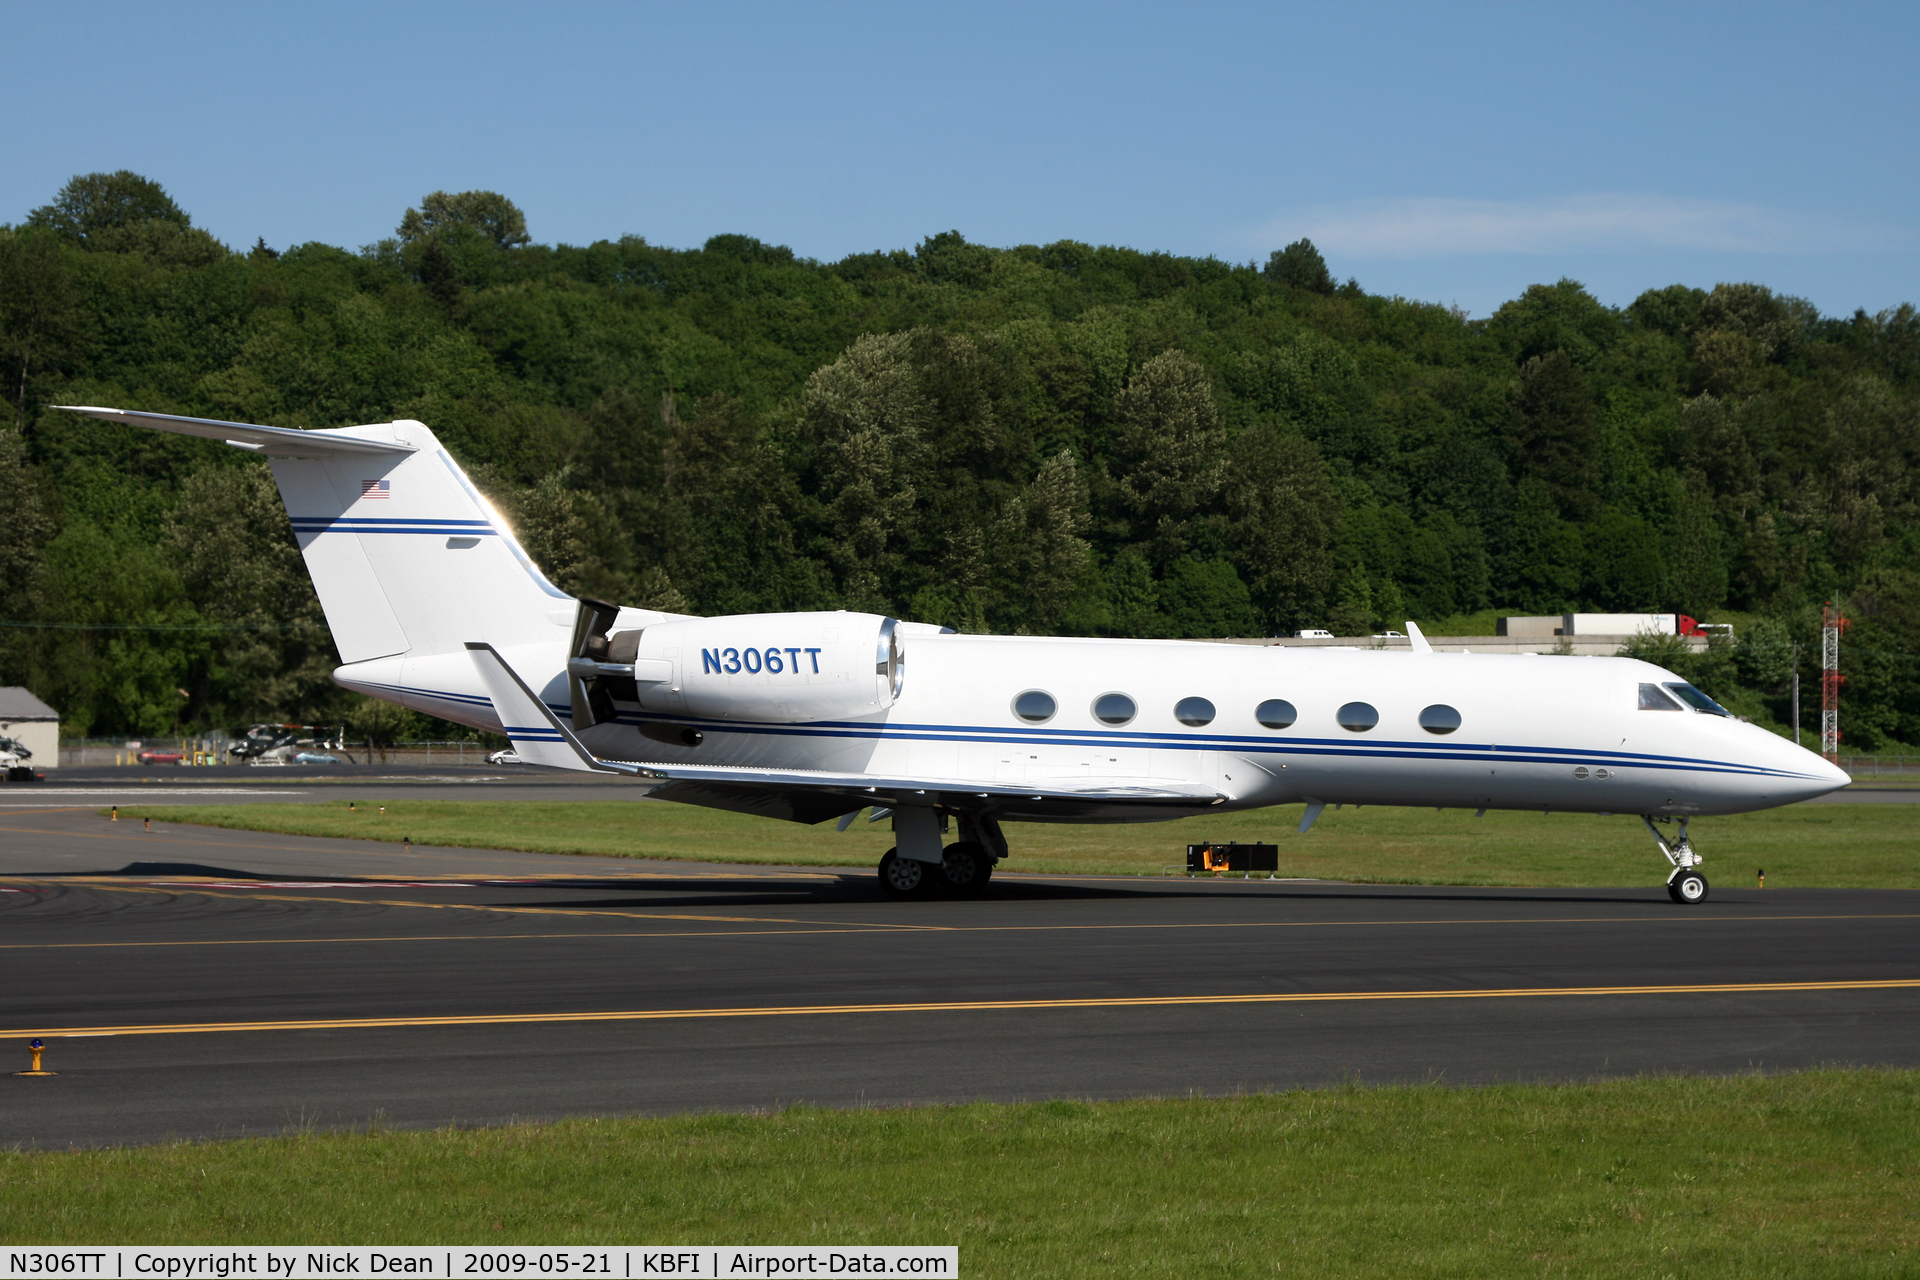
(199, 983)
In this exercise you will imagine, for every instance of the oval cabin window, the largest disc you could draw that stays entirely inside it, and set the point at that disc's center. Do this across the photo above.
(1034, 706)
(1275, 713)
(1113, 708)
(1193, 712)
(1357, 717)
(1439, 718)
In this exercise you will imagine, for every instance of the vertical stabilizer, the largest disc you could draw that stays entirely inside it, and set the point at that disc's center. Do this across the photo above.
(405, 554)
(447, 567)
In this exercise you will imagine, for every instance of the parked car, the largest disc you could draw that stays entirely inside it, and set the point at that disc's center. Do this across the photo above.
(314, 757)
(509, 756)
(160, 757)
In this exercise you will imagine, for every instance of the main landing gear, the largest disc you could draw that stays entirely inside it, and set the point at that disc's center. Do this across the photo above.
(963, 869)
(1685, 884)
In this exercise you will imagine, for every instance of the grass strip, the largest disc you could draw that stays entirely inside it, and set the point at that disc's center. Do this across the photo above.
(1841, 846)
(1812, 1173)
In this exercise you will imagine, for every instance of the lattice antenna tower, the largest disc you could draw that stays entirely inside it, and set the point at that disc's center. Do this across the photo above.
(1831, 625)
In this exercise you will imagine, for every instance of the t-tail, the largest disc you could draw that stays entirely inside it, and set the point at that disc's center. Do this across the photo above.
(411, 563)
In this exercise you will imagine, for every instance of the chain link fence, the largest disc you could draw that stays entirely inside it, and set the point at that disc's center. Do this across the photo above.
(205, 752)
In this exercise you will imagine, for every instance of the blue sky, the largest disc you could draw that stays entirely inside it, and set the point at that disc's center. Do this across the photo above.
(1451, 153)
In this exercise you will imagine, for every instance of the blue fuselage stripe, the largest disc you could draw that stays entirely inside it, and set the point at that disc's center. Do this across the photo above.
(1477, 753)
(1321, 747)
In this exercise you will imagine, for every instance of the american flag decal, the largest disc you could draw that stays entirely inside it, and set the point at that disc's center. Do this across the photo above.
(372, 489)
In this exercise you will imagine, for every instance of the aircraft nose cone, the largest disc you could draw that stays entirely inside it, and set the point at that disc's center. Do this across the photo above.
(1821, 776)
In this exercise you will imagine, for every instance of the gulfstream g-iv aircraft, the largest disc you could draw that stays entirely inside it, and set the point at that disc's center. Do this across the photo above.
(809, 717)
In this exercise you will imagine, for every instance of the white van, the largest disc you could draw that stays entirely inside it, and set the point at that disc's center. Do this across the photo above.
(1313, 635)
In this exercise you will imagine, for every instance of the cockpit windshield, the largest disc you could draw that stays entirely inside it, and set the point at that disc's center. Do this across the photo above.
(1653, 699)
(1698, 700)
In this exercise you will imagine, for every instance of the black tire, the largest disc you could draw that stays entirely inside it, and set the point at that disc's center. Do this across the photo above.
(1688, 888)
(965, 868)
(904, 878)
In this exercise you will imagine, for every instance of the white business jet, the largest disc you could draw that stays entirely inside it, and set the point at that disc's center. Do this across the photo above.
(812, 716)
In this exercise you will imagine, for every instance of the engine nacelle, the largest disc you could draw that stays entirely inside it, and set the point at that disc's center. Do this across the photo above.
(787, 668)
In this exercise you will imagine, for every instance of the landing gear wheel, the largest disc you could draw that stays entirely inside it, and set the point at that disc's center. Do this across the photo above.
(966, 868)
(904, 878)
(1688, 888)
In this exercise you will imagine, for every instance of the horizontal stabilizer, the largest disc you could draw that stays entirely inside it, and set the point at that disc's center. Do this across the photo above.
(272, 442)
(537, 737)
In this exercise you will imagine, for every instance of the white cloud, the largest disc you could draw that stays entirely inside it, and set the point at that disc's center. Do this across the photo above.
(1430, 227)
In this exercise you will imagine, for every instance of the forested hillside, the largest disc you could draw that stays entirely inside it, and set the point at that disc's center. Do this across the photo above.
(1059, 438)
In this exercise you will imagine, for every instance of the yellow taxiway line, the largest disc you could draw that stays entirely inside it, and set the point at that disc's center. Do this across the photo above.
(811, 929)
(961, 1006)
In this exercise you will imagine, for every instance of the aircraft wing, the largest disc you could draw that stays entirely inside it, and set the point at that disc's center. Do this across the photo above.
(272, 442)
(815, 795)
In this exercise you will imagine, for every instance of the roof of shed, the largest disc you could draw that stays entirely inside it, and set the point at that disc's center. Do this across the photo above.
(17, 704)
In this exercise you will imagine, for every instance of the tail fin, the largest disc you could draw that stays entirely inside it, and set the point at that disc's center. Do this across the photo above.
(405, 554)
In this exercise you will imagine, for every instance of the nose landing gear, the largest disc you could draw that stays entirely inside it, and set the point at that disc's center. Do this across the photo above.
(1685, 884)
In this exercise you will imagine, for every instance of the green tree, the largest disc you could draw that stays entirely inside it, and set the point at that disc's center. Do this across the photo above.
(43, 322)
(125, 213)
(1300, 266)
(1696, 552)
(1048, 523)
(1537, 567)
(1880, 704)
(1674, 310)
(1283, 514)
(1626, 567)
(866, 417)
(1765, 654)
(1134, 596)
(1206, 600)
(121, 635)
(440, 274)
(494, 217)
(93, 203)
(570, 534)
(1561, 317)
(229, 540)
(1352, 611)
(27, 525)
(381, 724)
(1168, 453)
(1554, 431)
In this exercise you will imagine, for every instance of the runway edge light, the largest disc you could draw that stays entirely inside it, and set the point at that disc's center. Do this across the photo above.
(35, 1046)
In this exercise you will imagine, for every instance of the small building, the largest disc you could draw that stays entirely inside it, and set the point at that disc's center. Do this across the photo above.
(1595, 624)
(31, 723)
